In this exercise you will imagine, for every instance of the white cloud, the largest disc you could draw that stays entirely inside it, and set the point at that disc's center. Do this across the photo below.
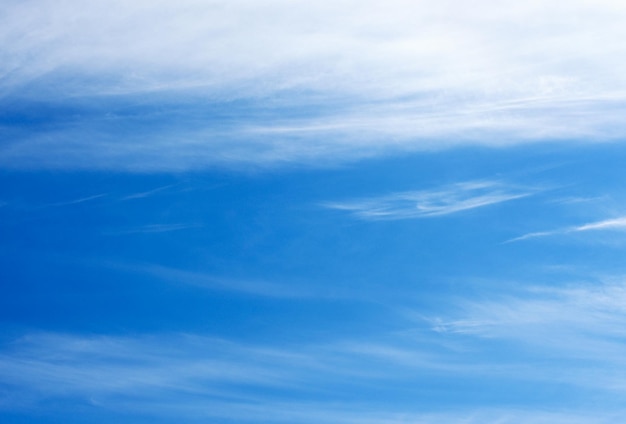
(364, 79)
(354, 46)
(616, 224)
(428, 203)
(609, 224)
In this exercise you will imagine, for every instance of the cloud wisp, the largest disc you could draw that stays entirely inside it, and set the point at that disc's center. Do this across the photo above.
(76, 201)
(195, 378)
(242, 83)
(431, 203)
(145, 194)
(580, 323)
(153, 228)
(198, 377)
(615, 224)
(215, 282)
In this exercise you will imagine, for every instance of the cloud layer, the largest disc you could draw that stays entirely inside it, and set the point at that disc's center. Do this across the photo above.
(153, 85)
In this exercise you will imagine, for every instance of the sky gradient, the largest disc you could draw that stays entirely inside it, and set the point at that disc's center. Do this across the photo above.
(312, 212)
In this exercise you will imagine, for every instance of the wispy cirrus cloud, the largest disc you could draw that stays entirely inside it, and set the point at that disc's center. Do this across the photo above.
(193, 377)
(242, 83)
(615, 224)
(430, 203)
(578, 322)
(198, 377)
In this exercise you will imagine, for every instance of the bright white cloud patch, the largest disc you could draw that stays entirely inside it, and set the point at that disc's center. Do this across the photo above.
(359, 47)
(335, 80)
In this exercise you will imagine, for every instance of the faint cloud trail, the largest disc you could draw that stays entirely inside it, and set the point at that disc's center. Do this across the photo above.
(76, 201)
(153, 228)
(617, 224)
(431, 203)
(145, 194)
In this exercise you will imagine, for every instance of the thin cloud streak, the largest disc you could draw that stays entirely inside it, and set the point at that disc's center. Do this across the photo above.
(144, 194)
(214, 282)
(609, 224)
(76, 201)
(438, 202)
(153, 228)
(617, 224)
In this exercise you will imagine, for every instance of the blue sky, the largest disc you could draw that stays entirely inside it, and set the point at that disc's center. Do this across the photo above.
(312, 212)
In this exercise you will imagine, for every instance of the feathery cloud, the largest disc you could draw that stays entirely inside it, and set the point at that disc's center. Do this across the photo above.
(429, 203)
(577, 322)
